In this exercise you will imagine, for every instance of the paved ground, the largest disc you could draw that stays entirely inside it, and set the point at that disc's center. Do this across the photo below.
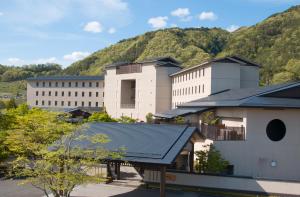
(101, 190)
(10, 188)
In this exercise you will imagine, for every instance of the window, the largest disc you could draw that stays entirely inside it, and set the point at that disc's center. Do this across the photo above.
(70, 84)
(82, 94)
(195, 89)
(90, 94)
(56, 84)
(43, 103)
(203, 72)
(49, 93)
(203, 88)
(55, 103)
(49, 103)
(69, 93)
(199, 89)
(69, 103)
(276, 130)
(103, 94)
(62, 93)
(63, 84)
(97, 84)
(97, 94)
(199, 73)
(76, 93)
(192, 90)
(56, 93)
(36, 102)
(49, 84)
(82, 103)
(44, 84)
(90, 103)
(43, 93)
(96, 104)
(90, 84)
(62, 103)
(76, 84)
(37, 84)
(36, 93)
(75, 103)
(83, 84)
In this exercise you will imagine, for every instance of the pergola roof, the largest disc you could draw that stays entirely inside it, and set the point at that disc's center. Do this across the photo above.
(144, 143)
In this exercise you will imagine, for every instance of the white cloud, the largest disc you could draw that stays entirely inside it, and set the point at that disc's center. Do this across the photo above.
(111, 30)
(45, 60)
(14, 61)
(232, 28)
(1, 14)
(208, 16)
(76, 55)
(181, 12)
(158, 22)
(174, 25)
(93, 26)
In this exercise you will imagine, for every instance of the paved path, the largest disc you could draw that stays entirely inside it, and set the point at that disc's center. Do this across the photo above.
(102, 190)
(10, 188)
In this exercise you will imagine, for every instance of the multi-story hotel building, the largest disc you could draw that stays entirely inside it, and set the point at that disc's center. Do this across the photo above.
(135, 89)
(65, 91)
(214, 76)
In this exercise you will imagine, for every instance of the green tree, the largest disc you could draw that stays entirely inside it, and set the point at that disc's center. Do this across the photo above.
(210, 160)
(101, 117)
(45, 152)
(179, 120)
(290, 73)
(11, 104)
(149, 118)
(126, 119)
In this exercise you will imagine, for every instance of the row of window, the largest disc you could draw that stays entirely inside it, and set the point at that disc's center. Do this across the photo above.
(189, 76)
(175, 104)
(189, 90)
(68, 103)
(67, 84)
(69, 93)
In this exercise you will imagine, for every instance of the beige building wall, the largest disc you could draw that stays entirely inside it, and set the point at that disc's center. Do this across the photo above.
(35, 93)
(200, 81)
(153, 91)
(258, 156)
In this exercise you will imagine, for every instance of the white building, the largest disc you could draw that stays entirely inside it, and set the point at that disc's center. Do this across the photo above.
(63, 92)
(136, 89)
(210, 77)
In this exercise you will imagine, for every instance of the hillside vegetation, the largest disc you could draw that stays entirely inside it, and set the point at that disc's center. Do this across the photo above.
(272, 43)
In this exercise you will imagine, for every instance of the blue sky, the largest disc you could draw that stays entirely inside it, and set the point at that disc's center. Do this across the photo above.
(63, 31)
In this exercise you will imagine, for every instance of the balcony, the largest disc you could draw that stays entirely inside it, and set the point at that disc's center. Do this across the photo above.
(127, 106)
(223, 133)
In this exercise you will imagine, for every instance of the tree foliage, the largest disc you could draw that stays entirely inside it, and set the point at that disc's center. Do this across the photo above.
(210, 160)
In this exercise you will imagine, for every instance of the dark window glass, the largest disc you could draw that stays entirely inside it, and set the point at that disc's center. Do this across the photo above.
(83, 84)
(90, 94)
(90, 103)
(276, 130)
(69, 93)
(55, 103)
(75, 103)
(62, 103)
(43, 103)
(96, 104)
(82, 94)
(50, 84)
(82, 103)
(43, 93)
(36, 93)
(36, 102)
(76, 84)
(97, 94)
(44, 84)
(70, 84)
(97, 84)
(37, 84)
(63, 84)
(90, 84)
(76, 93)
(62, 93)
(49, 93)
(56, 84)
(55, 93)
(69, 103)
(49, 103)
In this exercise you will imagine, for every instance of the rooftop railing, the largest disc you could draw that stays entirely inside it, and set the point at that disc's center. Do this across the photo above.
(223, 133)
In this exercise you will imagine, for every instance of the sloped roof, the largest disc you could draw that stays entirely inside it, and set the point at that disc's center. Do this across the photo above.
(228, 59)
(251, 97)
(144, 143)
(180, 112)
(66, 78)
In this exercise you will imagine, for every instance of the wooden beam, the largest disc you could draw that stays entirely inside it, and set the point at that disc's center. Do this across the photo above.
(163, 181)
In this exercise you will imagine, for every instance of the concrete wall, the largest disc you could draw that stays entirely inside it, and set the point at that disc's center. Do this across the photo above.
(186, 85)
(254, 156)
(153, 91)
(249, 76)
(230, 183)
(32, 88)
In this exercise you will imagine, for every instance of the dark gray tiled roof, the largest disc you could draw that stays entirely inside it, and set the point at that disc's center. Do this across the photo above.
(144, 143)
(180, 112)
(66, 78)
(85, 109)
(249, 97)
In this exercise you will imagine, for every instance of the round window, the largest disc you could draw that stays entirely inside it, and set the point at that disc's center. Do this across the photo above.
(276, 130)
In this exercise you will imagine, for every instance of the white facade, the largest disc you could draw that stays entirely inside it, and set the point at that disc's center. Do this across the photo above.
(65, 93)
(151, 92)
(205, 79)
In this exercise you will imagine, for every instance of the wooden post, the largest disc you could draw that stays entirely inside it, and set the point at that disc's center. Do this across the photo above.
(191, 158)
(163, 181)
(118, 171)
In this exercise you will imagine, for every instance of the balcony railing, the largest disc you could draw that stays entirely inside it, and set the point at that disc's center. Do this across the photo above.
(128, 106)
(223, 133)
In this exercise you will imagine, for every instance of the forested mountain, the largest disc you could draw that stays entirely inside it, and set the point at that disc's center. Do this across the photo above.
(272, 43)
